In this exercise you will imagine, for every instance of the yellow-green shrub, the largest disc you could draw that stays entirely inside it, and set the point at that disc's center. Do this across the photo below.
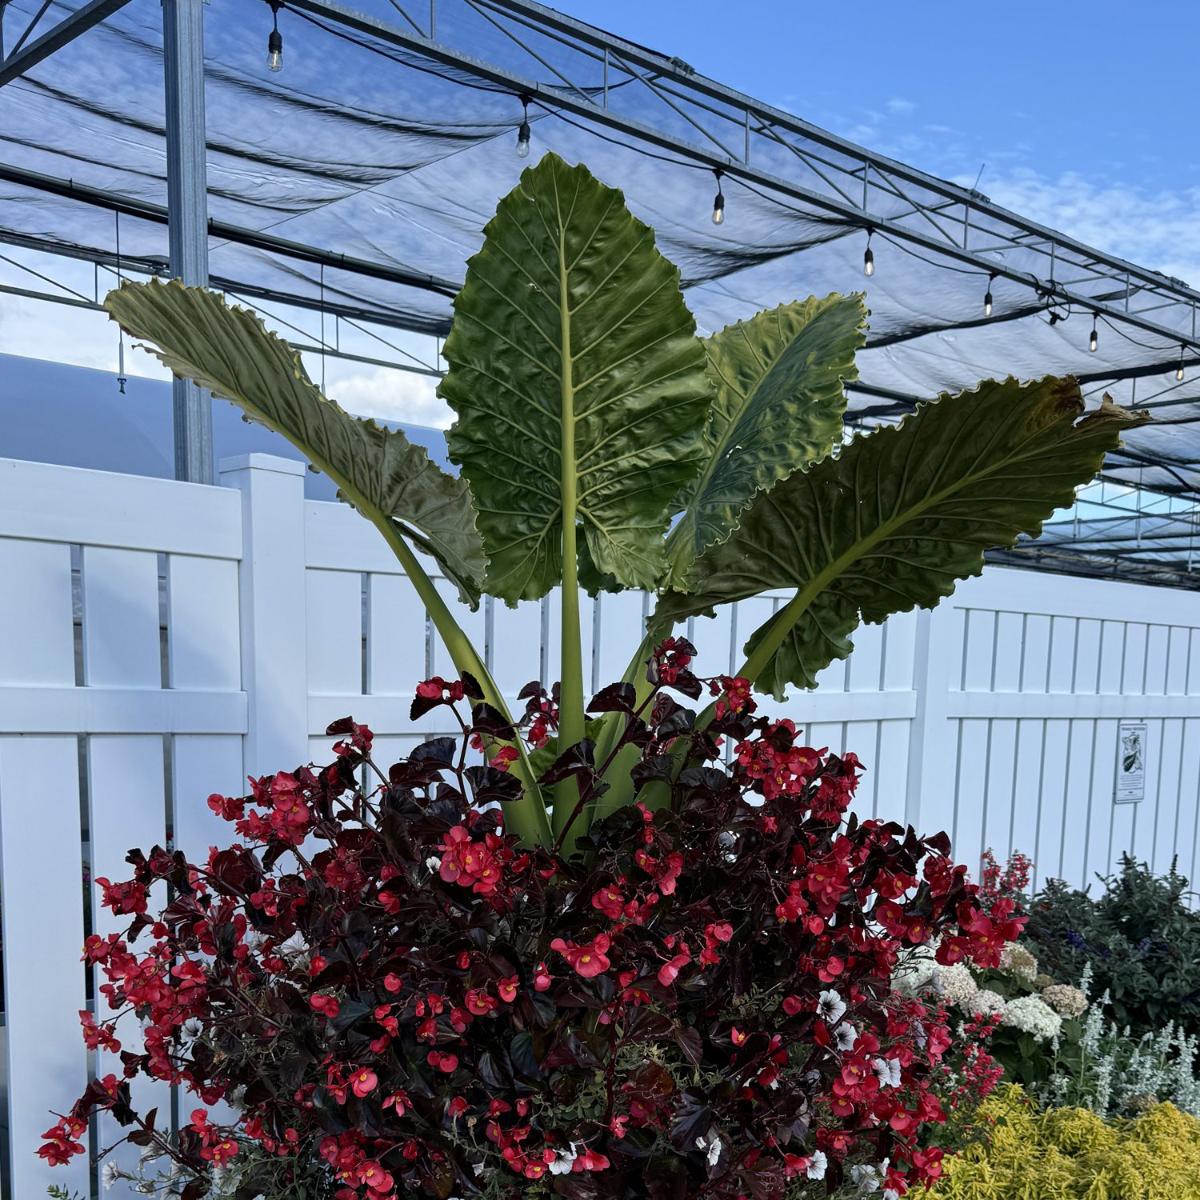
(1072, 1154)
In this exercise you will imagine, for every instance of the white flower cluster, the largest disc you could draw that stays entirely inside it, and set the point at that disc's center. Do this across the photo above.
(830, 1006)
(1066, 1000)
(1018, 962)
(956, 984)
(1031, 1014)
(986, 1003)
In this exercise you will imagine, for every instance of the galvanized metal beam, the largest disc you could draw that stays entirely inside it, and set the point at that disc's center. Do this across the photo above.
(67, 30)
(225, 231)
(187, 213)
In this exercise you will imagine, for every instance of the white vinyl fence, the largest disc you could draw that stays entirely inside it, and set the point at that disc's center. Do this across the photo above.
(160, 641)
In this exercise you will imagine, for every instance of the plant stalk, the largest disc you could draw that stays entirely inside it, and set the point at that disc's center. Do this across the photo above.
(525, 817)
(570, 716)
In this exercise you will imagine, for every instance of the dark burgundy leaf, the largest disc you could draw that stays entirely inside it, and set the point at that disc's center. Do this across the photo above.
(471, 688)
(617, 697)
(688, 684)
(693, 1119)
(490, 722)
(658, 766)
(522, 1056)
(423, 704)
(436, 750)
(579, 759)
(490, 785)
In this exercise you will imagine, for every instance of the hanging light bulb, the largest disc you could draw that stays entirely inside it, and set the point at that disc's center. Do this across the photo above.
(524, 134)
(1094, 340)
(718, 212)
(1179, 369)
(869, 257)
(987, 298)
(275, 40)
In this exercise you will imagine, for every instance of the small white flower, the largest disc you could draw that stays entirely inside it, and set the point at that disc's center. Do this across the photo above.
(294, 947)
(890, 1194)
(845, 1036)
(192, 1028)
(887, 1071)
(830, 1007)
(817, 1165)
(865, 1177)
(563, 1161)
(714, 1151)
(433, 862)
(110, 1174)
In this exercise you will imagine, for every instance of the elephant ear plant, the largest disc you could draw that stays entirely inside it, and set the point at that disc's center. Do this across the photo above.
(603, 445)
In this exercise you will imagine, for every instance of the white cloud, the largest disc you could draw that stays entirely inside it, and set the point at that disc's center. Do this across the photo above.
(387, 394)
(900, 106)
(1156, 229)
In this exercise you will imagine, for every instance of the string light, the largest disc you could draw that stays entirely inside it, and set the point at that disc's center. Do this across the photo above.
(869, 257)
(524, 134)
(987, 297)
(718, 212)
(1179, 369)
(275, 40)
(1094, 339)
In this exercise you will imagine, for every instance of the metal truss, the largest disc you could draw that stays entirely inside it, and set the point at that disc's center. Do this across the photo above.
(588, 77)
(27, 51)
(832, 176)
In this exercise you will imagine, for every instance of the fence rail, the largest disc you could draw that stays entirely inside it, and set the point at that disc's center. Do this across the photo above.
(160, 641)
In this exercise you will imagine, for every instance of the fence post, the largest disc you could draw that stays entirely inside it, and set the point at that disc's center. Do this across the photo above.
(274, 638)
(929, 746)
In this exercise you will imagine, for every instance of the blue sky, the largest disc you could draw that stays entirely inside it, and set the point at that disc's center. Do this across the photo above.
(1084, 113)
(1104, 87)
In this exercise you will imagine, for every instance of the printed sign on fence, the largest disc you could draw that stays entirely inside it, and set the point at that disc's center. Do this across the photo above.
(1131, 762)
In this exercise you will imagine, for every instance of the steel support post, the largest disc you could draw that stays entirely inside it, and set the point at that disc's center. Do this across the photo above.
(187, 213)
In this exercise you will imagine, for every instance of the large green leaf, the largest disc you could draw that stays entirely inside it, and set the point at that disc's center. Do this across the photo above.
(578, 382)
(898, 516)
(779, 406)
(229, 351)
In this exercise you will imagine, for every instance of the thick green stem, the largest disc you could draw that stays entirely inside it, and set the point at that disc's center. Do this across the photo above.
(525, 817)
(777, 633)
(620, 786)
(570, 715)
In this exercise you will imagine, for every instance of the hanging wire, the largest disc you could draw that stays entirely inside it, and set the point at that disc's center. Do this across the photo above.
(121, 377)
(322, 327)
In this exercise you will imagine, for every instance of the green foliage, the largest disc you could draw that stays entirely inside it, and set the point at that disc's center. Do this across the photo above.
(578, 382)
(590, 416)
(777, 382)
(898, 517)
(229, 351)
(1140, 938)
(1072, 1154)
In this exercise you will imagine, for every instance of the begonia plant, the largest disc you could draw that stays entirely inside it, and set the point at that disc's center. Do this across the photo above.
(399, 998)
